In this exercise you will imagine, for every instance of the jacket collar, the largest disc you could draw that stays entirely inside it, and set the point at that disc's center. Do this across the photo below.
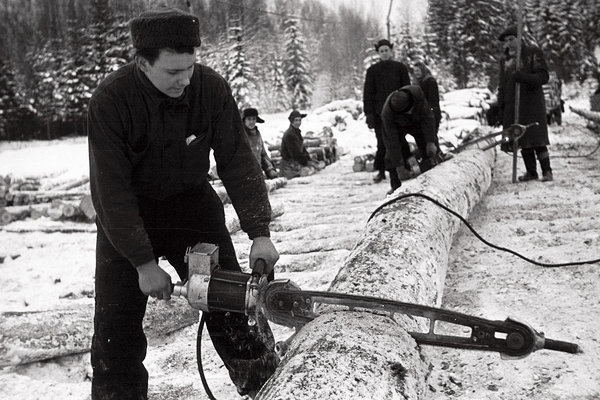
(155, 98)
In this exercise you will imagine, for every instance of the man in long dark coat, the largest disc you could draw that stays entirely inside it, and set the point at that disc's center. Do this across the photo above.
(382, 79)
(531, 74)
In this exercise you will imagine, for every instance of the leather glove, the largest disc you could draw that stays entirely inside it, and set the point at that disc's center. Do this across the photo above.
(370, 121)
(431, 149)
(403, 173)
(272, 174)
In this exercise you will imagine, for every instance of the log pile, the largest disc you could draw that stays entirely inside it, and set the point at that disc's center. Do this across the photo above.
(366, 162)
(464, 112)
(593, 116)
(69, 201)
(29, 198)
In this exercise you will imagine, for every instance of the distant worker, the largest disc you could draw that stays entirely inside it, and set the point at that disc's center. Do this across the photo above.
(531, 74)
(406, 111)
(251, 118)
(382, 79)
(295, 159)
(430, 88)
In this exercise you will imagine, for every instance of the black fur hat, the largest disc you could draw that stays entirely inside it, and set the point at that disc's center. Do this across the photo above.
(165, 27)
(383, 42)
(510, 31)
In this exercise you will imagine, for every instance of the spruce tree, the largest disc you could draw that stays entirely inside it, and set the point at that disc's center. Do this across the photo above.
(296, 66)
(239, 73)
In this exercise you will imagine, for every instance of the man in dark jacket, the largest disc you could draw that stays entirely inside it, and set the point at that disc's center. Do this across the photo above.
(250, 118)
(382, 79)
(295, 159)
(406, 111)
(531, 74)
(151, 126)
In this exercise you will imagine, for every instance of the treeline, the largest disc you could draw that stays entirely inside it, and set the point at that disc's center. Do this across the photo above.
(53, 53)
(464, 36)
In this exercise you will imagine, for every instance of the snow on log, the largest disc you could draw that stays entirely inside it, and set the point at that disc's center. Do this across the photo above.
(402, 255)
(42, 335)
(591, 115)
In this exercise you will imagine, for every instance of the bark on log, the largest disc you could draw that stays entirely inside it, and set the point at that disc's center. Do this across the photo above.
(36, 336)
(402, 255)
(273, 184)
(591, 115)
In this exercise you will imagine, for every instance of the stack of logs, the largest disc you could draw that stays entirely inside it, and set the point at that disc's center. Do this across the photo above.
(322, 147)
(365, 162)
(27, 198)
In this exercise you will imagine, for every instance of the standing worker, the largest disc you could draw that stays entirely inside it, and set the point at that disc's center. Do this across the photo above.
(382, 79)
(430, 89)
(250, 118)
(531, 74)
(151, 126)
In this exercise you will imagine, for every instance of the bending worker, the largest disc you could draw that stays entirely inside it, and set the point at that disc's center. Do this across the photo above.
(406, 111)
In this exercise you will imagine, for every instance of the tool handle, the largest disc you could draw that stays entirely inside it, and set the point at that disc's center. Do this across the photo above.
(559, 345)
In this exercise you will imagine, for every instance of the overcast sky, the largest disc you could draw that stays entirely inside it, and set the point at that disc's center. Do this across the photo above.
(413, 10)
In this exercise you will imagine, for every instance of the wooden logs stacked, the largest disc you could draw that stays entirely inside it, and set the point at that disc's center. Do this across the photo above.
(366, 162)
(24, 198)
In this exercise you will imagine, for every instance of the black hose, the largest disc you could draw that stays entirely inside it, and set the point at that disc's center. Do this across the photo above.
(199, 357)
(437, 203)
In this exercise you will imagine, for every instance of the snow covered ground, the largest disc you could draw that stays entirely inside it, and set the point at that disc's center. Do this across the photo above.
(41, 271)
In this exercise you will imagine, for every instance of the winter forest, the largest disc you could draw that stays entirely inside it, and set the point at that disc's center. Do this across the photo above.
(276, 55)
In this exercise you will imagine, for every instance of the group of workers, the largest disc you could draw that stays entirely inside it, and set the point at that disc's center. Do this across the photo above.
(151, 127)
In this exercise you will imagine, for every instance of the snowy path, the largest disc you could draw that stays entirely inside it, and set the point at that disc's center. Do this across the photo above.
(550, 222)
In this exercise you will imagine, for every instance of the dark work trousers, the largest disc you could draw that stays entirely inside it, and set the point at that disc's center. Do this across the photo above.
(543, 157)
(119, 343)
(379, 163)
(395, 181)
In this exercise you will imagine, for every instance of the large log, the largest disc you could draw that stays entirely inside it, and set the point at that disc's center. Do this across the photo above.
(591, 115)
(402, 255)
(41, 335)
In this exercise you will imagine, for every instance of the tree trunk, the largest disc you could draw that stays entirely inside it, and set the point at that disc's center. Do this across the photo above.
(402, 256)
(591, 115)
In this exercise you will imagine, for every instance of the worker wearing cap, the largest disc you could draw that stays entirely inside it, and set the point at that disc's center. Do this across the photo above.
(406, 111)
(250, 118)
(295, 159)
(531, 74)
(152, 124)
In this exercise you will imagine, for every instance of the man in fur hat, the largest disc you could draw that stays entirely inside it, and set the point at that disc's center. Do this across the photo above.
(406, 111)
(152, 124)
(382, 79)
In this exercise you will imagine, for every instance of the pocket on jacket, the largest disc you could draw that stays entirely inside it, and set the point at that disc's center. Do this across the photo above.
(137, 153)
(196, 159)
